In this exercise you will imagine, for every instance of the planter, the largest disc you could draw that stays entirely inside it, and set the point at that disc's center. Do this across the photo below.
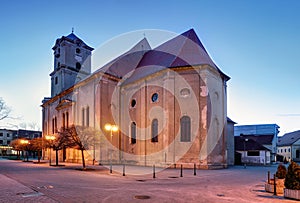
(292, 194)
(269, 187)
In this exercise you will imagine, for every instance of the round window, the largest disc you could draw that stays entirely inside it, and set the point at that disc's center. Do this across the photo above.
(154, 97)
(77, 50)
(133, 103)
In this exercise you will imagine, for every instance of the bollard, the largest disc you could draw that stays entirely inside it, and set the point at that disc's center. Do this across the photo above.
(110, 168)
(268, 177)
(181, 171)
(153, 171)
(123, 169)
(275, 193)
(195, 169)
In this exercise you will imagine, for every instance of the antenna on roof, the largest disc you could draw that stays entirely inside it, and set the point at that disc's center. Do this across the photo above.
(72, 30)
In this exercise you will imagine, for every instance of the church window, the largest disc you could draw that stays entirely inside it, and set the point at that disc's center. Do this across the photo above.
(154, 97)
(55, 125)
(185, 129)
(63, 120)
(133, 133)
(78, 66)
(154, 131)
(82, 117)
(87, 116)
(78, 51)
(67, 119)
(58, 64)
(56, 80)
(185, 92)
(133, 103)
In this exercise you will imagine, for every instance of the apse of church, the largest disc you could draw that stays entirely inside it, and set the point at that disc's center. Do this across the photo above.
(168, 104)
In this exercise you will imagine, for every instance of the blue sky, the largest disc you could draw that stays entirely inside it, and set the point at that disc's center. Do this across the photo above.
(256, 43)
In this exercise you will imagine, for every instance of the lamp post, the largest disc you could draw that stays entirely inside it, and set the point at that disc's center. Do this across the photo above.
(111, 128)
(50, 138)
(245, 140)
(25, 142)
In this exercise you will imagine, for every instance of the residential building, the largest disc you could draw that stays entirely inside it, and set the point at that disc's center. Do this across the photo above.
(169, 104)
(265, 134)
(7, 135)
(251, 152)
(289, 146)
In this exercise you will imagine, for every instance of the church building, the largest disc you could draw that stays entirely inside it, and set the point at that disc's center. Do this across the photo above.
(149, 106)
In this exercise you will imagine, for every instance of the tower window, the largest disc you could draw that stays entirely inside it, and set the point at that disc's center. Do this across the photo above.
(133, 103)
(56, 80)
(78, 51)
(78, 66)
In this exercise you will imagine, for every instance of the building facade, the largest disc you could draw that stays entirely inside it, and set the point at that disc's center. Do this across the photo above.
(289, 146)
(169, 103)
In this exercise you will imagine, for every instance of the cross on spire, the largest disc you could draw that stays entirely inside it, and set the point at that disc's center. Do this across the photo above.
(72, 29)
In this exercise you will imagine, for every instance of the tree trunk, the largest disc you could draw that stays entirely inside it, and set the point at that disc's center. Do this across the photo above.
(83, 161)
(39, 155)
(56, 155)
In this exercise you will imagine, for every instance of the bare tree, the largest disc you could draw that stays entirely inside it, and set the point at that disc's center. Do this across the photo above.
(82, 138)
(61, 141)
(4, 110)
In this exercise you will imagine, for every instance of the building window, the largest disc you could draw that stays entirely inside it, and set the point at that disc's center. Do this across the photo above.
(1, 141)
(67, 119)
(185, 129)
(284, 150)
(82, 117)
(8, 142)
(154, 97)
(289, 150)
(297, 153)
(154, 131)
(55, 124)
(1, 134)
(56, 80)
(252, 153)
(63, 120)
(78, 66)
(87, 116)
(133, 103)
(77, 51)
(133, 133)
(281, 150)
(8, 135)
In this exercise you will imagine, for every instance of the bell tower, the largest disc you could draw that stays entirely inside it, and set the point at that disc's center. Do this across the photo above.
(72, 63)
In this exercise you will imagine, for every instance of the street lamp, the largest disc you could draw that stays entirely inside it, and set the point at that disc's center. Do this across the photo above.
(50, 138)
(25, 142)
(111, 128)
(245, 140)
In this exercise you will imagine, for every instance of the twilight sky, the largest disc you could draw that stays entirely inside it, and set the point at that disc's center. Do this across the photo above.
(256, 43)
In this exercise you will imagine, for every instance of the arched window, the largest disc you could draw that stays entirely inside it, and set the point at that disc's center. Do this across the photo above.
(67, 119)
(133, 133)
(154, 131)
(78, 66)
(87, 116)
(185, 129)
(63, 120)
(82, 117)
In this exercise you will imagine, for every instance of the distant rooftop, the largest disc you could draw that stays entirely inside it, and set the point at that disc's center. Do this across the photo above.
(289, 138)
